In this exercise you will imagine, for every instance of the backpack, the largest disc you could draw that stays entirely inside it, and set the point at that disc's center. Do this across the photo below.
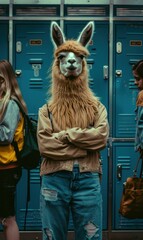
(29, 156)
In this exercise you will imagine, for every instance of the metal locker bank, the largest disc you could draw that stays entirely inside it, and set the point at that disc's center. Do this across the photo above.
(117, 44)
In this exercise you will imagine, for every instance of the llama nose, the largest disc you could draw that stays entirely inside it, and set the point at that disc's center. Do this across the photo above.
(71, 61)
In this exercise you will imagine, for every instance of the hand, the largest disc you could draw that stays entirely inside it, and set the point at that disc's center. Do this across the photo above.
(61, 136)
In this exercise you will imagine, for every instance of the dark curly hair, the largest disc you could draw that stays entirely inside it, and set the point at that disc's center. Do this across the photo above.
(138, 68)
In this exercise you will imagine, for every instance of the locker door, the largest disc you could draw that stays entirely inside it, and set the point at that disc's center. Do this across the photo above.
(128, 50)
(33, 57)
(3, 40)
(98, 68)
(124, 159)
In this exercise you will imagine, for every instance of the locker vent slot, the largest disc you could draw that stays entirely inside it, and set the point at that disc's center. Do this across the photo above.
(34, 116)
(126, 125)
(33, 218)
(86, 11)
(3, 11)
(132, 84)
(34, 177)
(36, 11)
(132, 224)
(129, 12)
(36, 83)
(124, 161)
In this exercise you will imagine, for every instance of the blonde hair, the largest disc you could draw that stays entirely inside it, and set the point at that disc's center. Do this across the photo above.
(11, 87)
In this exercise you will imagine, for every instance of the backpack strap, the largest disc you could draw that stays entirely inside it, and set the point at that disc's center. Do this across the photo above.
(50, 117)
(15, 145)
(16, 149)
(140, 158)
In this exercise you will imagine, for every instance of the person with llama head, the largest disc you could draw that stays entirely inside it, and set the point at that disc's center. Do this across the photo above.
(72, 129)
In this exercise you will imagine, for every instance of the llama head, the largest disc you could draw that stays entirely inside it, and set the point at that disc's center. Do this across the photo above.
(70, 54)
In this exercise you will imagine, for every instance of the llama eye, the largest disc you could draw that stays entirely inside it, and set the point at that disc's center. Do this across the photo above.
(81, 56)
(60, 57)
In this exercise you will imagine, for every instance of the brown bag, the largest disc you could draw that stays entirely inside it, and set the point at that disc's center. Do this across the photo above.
(131, 205)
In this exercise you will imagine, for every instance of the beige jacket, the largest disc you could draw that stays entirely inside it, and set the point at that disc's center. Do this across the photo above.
(60, 149)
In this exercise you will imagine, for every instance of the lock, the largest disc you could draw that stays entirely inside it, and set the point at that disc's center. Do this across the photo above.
(119, 172)
(18, 47)
(118, 73)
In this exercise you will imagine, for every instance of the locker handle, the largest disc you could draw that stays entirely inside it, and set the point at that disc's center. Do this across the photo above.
(105, 72)
(119, 172)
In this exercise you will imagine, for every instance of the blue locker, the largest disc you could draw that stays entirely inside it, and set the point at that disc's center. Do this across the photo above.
(33, 58)
(3, 40)
(125, 159)
(33, 219)
(128, 50)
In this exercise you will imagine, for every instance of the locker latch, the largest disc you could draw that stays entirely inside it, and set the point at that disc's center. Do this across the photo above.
(105, 72)
(36, 67)
(119, 171)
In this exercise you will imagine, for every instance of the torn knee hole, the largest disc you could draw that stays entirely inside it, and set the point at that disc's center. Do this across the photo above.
(91, 229)
(49, 194)
(48, 233)
(3, 222)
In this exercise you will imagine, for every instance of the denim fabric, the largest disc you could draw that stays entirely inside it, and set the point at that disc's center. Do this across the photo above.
(80, 193)
(139, 128)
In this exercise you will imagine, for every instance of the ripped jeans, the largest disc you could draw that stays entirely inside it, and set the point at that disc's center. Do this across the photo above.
(79, 193)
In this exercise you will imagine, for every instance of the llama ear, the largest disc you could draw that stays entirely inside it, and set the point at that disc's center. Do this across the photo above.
(86, 34)
(57, 35)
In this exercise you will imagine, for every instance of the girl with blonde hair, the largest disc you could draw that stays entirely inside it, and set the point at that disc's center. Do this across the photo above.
(11, 128)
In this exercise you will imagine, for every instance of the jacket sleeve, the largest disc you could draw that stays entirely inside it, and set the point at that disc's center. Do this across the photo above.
(9, 123)
(50, 144)
(93, 138)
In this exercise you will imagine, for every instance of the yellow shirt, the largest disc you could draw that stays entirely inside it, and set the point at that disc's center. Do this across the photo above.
(7, 152)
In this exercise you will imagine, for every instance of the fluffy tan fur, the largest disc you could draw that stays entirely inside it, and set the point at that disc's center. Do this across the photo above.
(72, 104)
(72, 46)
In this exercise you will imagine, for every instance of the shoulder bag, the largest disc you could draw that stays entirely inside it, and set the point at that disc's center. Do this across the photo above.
(131, 205)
